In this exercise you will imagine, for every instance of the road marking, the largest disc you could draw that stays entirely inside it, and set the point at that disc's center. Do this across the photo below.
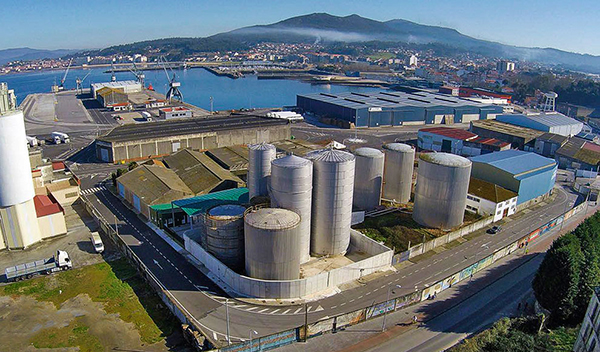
(263, 310)
(319, 308)
(351, 301)
(368, 293)
(309, 308)
(332, 307)
(299, 309)
(343, 304)
(155, 262)
(382, 286)
(287, 310)
(251, 309)
(359, 297)
(275, 311)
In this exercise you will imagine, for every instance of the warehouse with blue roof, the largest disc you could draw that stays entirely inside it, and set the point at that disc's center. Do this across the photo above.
(395, 108)
(528, 174)
(554, 122)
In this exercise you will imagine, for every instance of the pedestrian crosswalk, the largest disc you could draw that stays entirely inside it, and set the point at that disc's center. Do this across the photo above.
(85, 192)
(273, 310)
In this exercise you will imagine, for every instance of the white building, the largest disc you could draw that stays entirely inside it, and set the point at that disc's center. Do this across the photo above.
(587, 341)
(177, 112)
(552, 122)
(485, 198)
(413, 61)
(130, 86)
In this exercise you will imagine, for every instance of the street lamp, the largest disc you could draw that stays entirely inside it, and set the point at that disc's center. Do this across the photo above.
(386, 306)
(253, 332)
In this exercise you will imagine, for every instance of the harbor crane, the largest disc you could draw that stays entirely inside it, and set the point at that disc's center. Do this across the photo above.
(61, 86)
(139, 74)
(79, 82)
(173, 92)
(113, 78)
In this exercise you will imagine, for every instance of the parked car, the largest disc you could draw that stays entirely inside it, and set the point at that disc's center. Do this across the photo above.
(494, 230)
(97, 242)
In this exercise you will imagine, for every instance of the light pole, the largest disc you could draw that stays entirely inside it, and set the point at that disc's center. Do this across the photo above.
(253, 332)
(227, 319)
(385, 309)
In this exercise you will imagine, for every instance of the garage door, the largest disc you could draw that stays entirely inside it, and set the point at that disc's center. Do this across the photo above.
(104, 154)
(136, 203)
(121, 190)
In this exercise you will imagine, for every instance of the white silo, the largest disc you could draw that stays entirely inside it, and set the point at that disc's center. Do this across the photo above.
(272, 244)
(259, 168)
(398, 172)
(291, 188)
(17, 212)
(441, 190)
(368, 178)
(333, 187)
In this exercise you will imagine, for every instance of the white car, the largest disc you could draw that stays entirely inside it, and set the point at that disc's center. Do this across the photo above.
(97, 242)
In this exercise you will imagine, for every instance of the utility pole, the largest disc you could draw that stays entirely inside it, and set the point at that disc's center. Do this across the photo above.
(227, 318)
(305, 322)
(385, 306)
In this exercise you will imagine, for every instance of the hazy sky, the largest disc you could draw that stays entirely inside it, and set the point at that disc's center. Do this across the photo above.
(568, 25)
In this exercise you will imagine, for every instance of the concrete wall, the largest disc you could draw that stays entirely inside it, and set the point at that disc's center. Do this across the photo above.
(52, 225)
(380, 259)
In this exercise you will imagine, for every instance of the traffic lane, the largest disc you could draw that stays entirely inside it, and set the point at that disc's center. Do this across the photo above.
(440, 265)
(168, 266)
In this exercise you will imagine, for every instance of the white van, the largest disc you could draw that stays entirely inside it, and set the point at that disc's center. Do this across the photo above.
(97, 242)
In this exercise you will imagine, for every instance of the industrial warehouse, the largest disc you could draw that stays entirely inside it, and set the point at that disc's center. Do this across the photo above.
(149, 140)
(394, 108)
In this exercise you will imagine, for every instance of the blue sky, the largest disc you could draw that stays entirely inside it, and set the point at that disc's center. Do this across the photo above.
(568, 25)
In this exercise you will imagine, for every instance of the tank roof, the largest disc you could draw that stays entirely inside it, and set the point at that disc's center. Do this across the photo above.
(272, 218)
(446, 159)
(369, 152)
(330, 155)
(291, 161)
(398, 147)
(261, 146)
(227, 211)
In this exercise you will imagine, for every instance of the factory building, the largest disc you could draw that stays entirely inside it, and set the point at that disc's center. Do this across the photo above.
(126, 87)
(441, 190)
(178, 112)
(519, 137)
(555, 122)
(487, 199)
(528, 174)
(548, 143)
(458, 141)
(233, 158)
(112, 97)
(578, 154)
(153, 139)
(395, 108)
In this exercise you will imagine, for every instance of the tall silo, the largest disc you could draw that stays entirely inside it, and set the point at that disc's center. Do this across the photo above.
(368, 178)
(272, 244)
(398, 172)
(224, 234)
(333, 187)
(259, 168)
(17, 211)
(291, 188)
(441, 190)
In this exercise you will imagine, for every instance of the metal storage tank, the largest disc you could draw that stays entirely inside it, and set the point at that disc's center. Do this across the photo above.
(259, 168)
(333, 187)
(291, 188)
(224, 234)
(441, 190)
(17, 211)
(398, 172)
(272, 244)
(368, 178)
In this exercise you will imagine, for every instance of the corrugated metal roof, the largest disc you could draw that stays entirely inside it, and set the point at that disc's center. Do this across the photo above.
(291, 161)
(155, 184)
(527, 134)
(546, 119)
(449, 132)
(201, 204)
(489, 191)
(553, 137)
(515, 162)
(330, 155)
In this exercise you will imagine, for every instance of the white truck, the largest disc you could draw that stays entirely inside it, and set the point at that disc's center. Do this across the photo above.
(32, 141)
(97, 242)
(59, 137)
(60, 261)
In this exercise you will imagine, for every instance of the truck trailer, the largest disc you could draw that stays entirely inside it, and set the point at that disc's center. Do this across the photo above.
(60, 261)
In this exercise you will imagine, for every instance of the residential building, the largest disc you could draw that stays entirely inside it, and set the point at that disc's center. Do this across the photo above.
(488, 199)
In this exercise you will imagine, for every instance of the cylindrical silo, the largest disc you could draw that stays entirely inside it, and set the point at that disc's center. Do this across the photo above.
(333, 186)
(368, 178)
(441, 190)
(272, 244)
(398, 172)
(17, 212)
(259, 168)
(224, 229)
(291, 188)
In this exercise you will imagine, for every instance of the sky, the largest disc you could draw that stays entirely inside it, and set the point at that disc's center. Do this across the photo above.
(68, 24)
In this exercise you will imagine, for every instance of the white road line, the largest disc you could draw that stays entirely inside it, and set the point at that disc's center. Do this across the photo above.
(359, 297)
(333, 307)
(263, 310)
(299, 309)
(368, 293)
(275, 311)
(251, 309)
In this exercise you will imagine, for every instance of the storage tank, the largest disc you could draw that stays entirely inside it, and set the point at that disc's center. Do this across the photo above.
(398, 172)
(224, 234)
(333, 187)
(272, 244)
(368, 178)
(441, 190)
(259, 168)
(291, 188)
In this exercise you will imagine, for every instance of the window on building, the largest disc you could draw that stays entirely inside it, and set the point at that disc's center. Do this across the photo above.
(71, 194)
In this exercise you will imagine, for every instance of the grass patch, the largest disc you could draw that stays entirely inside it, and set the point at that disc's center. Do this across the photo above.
(73, 335)
(382, 55)
(116, 284)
